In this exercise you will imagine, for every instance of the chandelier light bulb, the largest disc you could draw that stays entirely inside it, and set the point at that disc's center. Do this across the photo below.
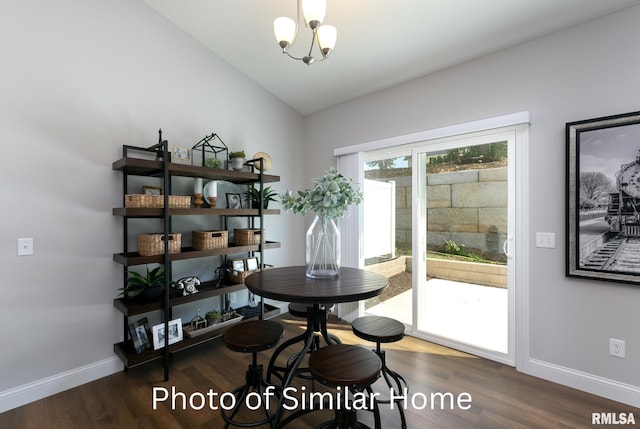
(324, 36)
(327, 35)
(285, 30)
(314, 11)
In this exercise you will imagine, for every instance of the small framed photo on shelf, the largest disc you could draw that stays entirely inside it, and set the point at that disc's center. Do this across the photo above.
(238, 264)
(234, 201)
(252, 264)
(175, 333)
(140, 335)
(181, 155)
(151, 190)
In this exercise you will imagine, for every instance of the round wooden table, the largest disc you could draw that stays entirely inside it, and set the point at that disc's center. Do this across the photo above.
(290, 284)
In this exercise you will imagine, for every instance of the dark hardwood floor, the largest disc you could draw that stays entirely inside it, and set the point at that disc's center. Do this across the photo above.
(501, 397)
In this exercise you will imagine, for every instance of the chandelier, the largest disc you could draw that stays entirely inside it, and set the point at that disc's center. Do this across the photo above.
(286, 30)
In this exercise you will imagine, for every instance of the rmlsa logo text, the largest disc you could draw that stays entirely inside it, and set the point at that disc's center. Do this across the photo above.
(613, 419)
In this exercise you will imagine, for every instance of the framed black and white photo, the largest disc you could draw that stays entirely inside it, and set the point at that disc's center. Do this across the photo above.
(603, 198)
(140, 334)
(234, 201)
(175, 333)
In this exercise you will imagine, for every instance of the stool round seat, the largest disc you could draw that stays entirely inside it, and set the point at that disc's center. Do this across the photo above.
(378, 329)
(253, 336)
(345, 365)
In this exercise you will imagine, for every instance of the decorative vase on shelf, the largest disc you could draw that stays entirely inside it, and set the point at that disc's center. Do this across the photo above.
(323, 249)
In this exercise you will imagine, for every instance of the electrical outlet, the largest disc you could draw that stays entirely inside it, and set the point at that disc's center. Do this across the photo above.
(616, 348)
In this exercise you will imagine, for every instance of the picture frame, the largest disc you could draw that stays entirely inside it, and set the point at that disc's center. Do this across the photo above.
(252, 263)
(140, 335)
(181, 155)
(603, 198)
(151, 190)
(238, 264)
(233, 201)
(175, 333)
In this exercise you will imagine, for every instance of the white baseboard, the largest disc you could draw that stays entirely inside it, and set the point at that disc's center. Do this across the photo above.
(610, 389)
(39, 389)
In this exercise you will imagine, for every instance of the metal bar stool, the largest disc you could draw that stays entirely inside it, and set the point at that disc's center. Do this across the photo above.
(379, 329)
(347, 366)
(316, 316)
(251, 337)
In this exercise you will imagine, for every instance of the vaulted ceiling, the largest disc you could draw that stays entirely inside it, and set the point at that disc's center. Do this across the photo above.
(381, 43)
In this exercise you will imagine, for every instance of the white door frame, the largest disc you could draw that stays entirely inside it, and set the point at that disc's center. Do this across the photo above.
(351, 156)
(419, 227)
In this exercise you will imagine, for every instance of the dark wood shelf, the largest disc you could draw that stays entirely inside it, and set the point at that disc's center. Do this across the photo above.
(125, 351)
(134, 258)
(145, 167)
(138, 212)
(130, 307)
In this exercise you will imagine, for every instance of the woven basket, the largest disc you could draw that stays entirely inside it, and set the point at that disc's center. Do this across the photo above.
(206, 240)
(153, 244)
(144, 201)
(247, 236)
(179, 202)
(241, 276)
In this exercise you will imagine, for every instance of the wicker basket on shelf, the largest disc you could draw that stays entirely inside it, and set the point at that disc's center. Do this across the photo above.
(153, 244)
(248, 236)
(145, 201)
(240, 276)
(207, 240)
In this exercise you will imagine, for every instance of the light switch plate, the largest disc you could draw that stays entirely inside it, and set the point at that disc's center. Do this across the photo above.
(546, 240)
(25, 246)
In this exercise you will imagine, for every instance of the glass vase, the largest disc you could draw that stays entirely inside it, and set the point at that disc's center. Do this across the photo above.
(323, 249)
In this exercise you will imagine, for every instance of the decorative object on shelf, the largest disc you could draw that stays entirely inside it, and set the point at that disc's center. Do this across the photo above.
(226, 319)
(207, 240)
(211, 193)
(233, 201)
(248, 236)
(212, 317)
(152, 283)
(151, 190)
(329, 199)
(252, 196)
(150, 201)
(198, 201)
(188, 285)
(237, 160)
(198, 322)
(153, 244)
(211, 144)
(286, 30)
(140, 332)
(266, 161)
(175, 333)
(181, 155)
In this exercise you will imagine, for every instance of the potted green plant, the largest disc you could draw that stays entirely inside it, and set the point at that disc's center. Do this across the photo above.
(213, 163)
(252, 196)
(237, 159)
(147, 287)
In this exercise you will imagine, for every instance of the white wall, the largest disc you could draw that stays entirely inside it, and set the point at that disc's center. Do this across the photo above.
(80, 78)
(587, 71)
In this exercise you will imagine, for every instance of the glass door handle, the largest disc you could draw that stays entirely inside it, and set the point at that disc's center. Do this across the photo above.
(506, 247)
